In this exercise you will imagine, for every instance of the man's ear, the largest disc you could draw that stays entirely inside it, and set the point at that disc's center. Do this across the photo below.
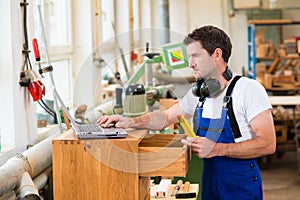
(218, 53)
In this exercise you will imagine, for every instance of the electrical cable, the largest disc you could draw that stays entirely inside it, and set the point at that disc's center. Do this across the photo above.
(27, 62)
(46, 109)
(25, 45)
(49, 109)
(25, 25)
(24, 64)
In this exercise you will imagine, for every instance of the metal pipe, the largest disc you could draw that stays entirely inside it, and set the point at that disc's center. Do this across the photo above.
(10, 174)
(49, 64)
(9, 195)
(41, 180)
(34, 161)
(149, 74)
(27, 189)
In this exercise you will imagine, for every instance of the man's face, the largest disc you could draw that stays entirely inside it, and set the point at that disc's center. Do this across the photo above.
(200, 61)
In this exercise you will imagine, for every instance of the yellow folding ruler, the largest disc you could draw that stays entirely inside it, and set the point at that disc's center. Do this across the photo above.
(186, 126)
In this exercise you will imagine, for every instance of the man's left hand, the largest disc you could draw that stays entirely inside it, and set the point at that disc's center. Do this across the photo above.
(201, 146)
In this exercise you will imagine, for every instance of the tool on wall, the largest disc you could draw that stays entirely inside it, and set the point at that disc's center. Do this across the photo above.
(41, 71)
(28, 77)
(36, 50)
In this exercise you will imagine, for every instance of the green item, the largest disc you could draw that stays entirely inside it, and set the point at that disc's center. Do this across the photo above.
(175, 56)
(62, 115)
(194, 173)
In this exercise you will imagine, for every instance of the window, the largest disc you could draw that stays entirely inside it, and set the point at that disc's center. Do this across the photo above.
(118, 41)
(56, 15)
(18, 121)
(108, 20)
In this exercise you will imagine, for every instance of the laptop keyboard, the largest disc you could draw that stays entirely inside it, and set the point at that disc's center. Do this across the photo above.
(90, 128)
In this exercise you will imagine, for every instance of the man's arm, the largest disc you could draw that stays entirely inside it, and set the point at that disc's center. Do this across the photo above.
(263, 144)
(156, 120)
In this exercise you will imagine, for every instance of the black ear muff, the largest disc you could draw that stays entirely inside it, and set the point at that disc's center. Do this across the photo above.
(227, 74)
(196, 87)
(208, 88)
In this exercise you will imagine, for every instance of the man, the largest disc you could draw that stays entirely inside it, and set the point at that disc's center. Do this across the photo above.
(229, 139)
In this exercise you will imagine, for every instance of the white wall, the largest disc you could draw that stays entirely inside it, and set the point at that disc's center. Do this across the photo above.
(188, 15)
(238, 34)
(18, 120)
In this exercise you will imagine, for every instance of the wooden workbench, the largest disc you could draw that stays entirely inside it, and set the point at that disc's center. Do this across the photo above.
(284, 100)
(117, 169)
(289, 101)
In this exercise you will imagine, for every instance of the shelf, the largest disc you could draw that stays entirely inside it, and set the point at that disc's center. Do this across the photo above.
(252, 49)
(285, 100)
(266, 22)
(281, 57)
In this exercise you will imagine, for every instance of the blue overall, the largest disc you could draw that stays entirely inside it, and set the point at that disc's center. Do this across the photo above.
(225, 177)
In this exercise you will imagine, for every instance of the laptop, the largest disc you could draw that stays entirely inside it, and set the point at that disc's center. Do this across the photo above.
(90, 131)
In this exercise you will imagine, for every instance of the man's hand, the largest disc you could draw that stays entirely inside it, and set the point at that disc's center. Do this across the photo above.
(117, 120)
(201, 146)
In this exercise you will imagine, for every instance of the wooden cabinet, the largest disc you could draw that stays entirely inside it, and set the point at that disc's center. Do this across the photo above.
(114, 168)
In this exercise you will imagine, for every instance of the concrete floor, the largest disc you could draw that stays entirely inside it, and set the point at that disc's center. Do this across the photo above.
(281, 181)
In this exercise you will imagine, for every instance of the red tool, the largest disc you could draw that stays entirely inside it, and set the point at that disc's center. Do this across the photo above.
(37, 54)
(36, 50)
(37, 88)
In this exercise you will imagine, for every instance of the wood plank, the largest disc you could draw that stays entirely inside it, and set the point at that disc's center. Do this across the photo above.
(287, 146)
(270, 21)
(274, 65)
(287, 63)
(284, 100)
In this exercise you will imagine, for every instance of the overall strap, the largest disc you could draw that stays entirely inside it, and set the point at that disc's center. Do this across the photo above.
(228, 100)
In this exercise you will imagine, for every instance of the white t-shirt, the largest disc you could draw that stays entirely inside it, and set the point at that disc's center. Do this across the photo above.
(249, 98)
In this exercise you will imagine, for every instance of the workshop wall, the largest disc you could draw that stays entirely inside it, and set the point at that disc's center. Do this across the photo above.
(17, 116)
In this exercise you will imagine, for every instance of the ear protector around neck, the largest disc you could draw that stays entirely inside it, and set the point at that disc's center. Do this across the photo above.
(210, 87)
